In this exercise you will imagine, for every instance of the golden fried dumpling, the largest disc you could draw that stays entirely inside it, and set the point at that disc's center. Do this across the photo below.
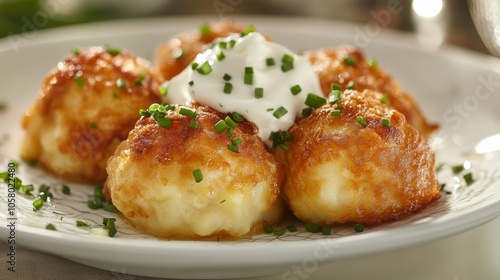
(357, 161)
(177, 177)
(178, 52)
(349, 68)
(86, 106)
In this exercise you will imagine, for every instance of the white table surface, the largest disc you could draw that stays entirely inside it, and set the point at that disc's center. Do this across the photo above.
(474, 254)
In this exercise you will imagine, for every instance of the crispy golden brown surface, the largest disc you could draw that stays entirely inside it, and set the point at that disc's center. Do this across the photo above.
(331, 68)
(151, 179)
(341, 171)
(188, 44)
(86, 106)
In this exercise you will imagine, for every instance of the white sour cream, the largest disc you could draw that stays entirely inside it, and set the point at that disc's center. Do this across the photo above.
(240, 52)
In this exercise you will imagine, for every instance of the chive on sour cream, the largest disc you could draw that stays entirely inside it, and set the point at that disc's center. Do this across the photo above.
(263, 81)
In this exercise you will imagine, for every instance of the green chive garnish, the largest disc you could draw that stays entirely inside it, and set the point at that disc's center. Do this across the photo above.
(237, 117)
(177, 53)
(82, 224)
(314, 101)
(334, 96)
(222, 45)
(220, 126)
(270, 61)
(306, 112)
(93, 125)
(457, 168)
(198, 176)
(75, 51)
(248, 78)
(109, 223)
(359, 228)
(228, 88)
(188, 112)
(233, 148)
(37, 204)
(268, 229)
(351, 85)
(204, 29)
(312, 227)
(259, 92)
(287, 63)
(249, 29)
(226, 77)
(280, 112)
(361, 120)
(468, 178)
(350, 60)
(291, 228)
(373, 63)
(385, 122)
(79, 80)
(205, 68)
(220, 56)
(66, 190)
(193, 124)
(335, 113)
(385, 98)
(295, 89)
(232, 42)
(278, 233)
(230, 122)
(163, 89)
(113, 51)
(335, 87)
(326, 231)
(110, 208)
(50, 227)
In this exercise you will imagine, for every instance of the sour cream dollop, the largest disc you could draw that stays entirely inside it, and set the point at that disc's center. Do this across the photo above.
(263, 81)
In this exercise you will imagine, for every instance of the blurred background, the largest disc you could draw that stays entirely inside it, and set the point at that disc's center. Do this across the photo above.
(436, 22)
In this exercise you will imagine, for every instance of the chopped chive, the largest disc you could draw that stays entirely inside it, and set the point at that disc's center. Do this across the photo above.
(373, 63)
(280, 112)
(142, 76)
(198, 176)
(249, 29)
(222, 201)
(351, 85)
(468, 178)
(270, 109)
(287, 58)
(442, 187)
(361, 120)
(335, 113)
(236, 141)
(226, 77)
(312, 227)
(334, 86)
(291, 228)
(164, 122)
(163, 89)
(66, 190)
(82, 224)
(191, 83)
(268, 229)
(457, 168)
(93, 125)
(230, 122)
(439, 167)
(205, 68)
(385, 122)
(350, 60)
(296, 89)
(284, 147)
(326, 231)
(75, 51)
(270, 61)
(121, 83)
(144, 113)
(279, 233)
(220, 56)
(220, 126)
(194, 65)
(188, 112)
(113, 51)
(385, 98)
(228, 88)
(50, 227)
(232, 42)
(229, 131)
(110, 208)
(237, 117)
(79, 80)
(259, 92)
(359, 228)
(109, 223)
(37, 204)
(233, 148)
(314, 101)
(286, 66)
(193, 124)
(222, 45)
(248, 78)
(204, 29)
(307, 111)
(334, 96)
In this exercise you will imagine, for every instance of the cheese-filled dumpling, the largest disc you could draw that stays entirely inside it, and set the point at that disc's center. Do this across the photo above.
(86, 106)
(350, 69)
(357, 160)
(174, 55)
(193, 173)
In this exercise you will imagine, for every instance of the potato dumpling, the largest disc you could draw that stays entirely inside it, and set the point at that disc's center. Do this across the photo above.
(349, 68)
(86, 106)
(174, 55)
(357, 160)
(177, 177)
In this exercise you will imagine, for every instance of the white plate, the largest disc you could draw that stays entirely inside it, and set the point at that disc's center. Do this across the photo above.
(458, 89)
